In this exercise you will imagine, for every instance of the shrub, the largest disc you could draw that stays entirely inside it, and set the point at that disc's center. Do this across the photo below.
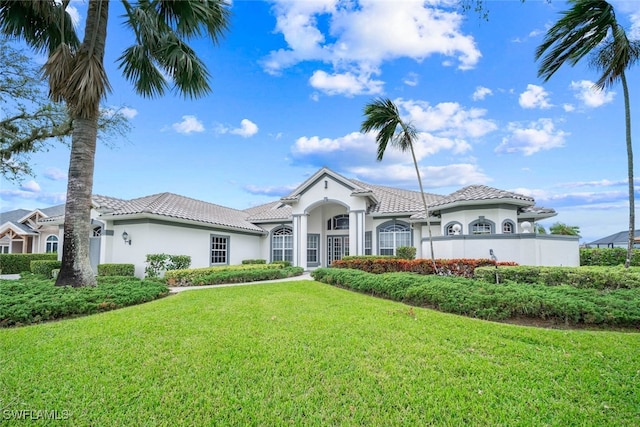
(254, 261)
(232, 274)
(283, 263)
(17, 263)
(44, 267)
(406, 252)
(159, 263)
(116, 270)
(607, 257)
(562, 304)
(35, 300)
(578, 277)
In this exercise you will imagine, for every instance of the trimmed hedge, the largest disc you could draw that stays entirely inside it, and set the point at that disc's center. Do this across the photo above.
(608, 256)
(116, 269)
(234, 274)
(44, 267)
(19, 263)
(34, 300)
(254, 261)
(158, 263)
(577, 277)
(473, 298)
(446, 267)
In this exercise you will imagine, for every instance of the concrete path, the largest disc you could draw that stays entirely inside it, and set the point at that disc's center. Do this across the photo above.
(176, 289)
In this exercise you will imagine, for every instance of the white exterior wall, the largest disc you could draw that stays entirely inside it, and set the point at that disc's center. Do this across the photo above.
(151, 238)
(524, 249)
(465, 217)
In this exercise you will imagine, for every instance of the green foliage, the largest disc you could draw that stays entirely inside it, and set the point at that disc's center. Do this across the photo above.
(564, 229)
(158, 263)
(254, 261)
(446, 267)
(44, 267)
(231, 274)
(608, 256)
(474, 298)
(18, 263)
(116, 269)
(601, 278)
(34, 300)
(406, 252)
(283, 263)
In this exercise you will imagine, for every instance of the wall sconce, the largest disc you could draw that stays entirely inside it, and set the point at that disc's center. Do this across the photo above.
(126, 238)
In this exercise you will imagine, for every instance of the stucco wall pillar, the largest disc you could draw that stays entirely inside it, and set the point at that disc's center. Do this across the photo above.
(300, 240)
(356, 233)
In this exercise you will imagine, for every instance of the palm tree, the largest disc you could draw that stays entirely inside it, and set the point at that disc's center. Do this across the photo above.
(591, 27)
(564, 229)
(76, 75)
(382, 115)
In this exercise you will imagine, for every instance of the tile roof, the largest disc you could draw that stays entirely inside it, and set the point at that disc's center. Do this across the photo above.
(396, 200)
(175, 206)
(272, 211)
(481, 192)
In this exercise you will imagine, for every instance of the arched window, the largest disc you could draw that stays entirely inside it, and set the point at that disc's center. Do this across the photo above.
(282, 244)
(52, 244)
(508, 227)
(453, 229)
(392, 236)
(338, 222)
(482, 226)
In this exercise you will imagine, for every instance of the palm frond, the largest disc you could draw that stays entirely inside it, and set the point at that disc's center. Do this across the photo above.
(382, 115)
(581, 29)
(57, 71)
(88, 85)
(137, 66)
(195, 18)
(614, 57)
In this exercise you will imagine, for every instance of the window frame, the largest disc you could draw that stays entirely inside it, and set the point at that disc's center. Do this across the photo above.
(390, 229)
(51, 244)
(285, 252)
(219, 238)
(313, 237)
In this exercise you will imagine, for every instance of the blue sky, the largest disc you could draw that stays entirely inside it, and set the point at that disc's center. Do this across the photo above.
(290, 80)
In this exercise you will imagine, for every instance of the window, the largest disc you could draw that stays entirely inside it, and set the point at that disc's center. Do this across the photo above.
(508, 227)
(282, 244)
(52, 244)
(367, 242)
(453, 229)
(393, 236)
(482, 226)
(219, 249)
(313, 243)
(4, 249)
(338, 222)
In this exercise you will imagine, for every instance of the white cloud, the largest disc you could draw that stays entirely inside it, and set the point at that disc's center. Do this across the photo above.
(568, 107)
(247, 128)
(189, 124)
(411, 80)
(362, 35)
(589, 95)
(55, 174)
(481, 93)
(534, 97)
(346, 84)
(31, 186)
(127, 112)
(432, 176)
(536, 136)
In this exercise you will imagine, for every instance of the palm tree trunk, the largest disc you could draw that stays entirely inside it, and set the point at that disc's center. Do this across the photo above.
(426, 210)
(632, 207)
(76, 268)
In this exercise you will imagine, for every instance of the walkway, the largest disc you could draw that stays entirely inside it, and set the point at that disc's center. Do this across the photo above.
(176, 289)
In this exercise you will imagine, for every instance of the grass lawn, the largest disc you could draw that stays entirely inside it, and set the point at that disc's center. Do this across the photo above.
(305, 353)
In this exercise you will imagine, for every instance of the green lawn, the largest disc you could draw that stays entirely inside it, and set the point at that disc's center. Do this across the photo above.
(305, 353)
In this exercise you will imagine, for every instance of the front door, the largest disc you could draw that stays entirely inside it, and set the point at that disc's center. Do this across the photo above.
(337, 247)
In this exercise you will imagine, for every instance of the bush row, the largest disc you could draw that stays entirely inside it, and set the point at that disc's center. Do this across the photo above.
(608, 256)
(158, 263)
(220, 275)
(19, 263)
(562, 304)
(44, 267)
(446, 267)
(577, 277)
(33, 300)
(116, 269)
(254, 261)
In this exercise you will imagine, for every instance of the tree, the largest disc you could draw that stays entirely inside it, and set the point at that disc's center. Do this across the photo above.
(76, 76)
(564, 229)
(29, 122)
(591, 27)
(382, 116)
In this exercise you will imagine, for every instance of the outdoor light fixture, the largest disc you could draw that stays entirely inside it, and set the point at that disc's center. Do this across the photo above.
(126, 238)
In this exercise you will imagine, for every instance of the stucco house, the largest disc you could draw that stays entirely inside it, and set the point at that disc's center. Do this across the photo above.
(325, 218)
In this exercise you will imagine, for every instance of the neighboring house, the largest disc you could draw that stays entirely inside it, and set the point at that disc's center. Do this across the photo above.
(617, 240)
(326, 218)
(22, 231)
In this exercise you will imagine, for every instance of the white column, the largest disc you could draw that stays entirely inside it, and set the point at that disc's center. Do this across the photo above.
(296, 238)
(361, 233)
(353, 233)
(303, 241)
